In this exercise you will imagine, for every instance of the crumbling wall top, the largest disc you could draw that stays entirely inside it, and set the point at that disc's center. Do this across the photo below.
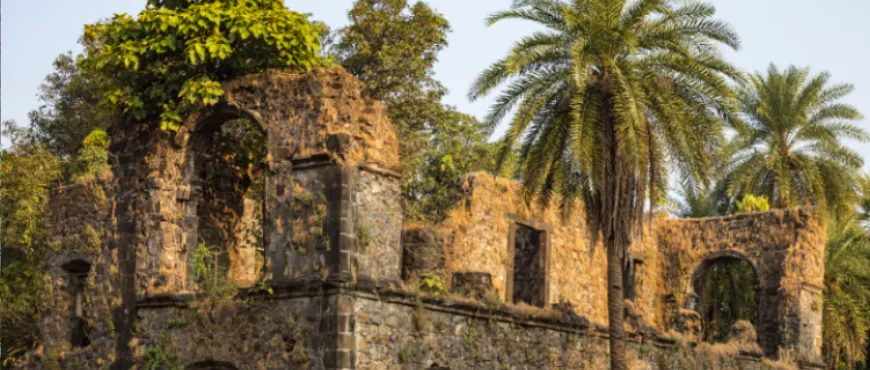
(322, 112)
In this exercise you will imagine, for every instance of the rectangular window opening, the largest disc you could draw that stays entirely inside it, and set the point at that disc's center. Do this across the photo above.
(629, 279)
(529, 269)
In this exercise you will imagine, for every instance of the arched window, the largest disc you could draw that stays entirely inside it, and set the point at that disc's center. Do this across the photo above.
(77, 271)
(230, 172)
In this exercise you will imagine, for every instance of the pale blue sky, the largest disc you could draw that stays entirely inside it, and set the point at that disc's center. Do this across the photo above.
(832, 35)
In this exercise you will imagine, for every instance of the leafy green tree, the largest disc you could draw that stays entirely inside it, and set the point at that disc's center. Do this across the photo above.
(608, 94)
(70, 107)
(173, 55)
(457, 147)
(793, 152)
(27, 171)
(392, 46)
(846, 312)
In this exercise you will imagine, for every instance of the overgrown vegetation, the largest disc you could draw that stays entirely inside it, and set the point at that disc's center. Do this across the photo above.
(27, 171)
(846, 310)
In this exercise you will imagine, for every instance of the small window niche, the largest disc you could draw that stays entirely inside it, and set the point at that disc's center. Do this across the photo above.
(77, 273)
(528, 273)
(629, 279)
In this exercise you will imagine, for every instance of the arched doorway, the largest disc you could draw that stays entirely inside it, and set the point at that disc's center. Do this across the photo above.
(725, 290)
(229, 177)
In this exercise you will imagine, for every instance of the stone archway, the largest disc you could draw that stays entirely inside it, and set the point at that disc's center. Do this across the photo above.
(786, 249)
(223, 201)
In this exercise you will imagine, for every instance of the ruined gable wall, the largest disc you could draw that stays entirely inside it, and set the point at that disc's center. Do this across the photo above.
(81, 223)
(476, 234)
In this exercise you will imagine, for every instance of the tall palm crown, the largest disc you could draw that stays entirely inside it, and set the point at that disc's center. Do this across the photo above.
(793, 152)
(649, 69)
(604, 97)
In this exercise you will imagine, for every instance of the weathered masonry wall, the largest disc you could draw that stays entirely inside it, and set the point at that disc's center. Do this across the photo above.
(332, 278)
(400, 331)
(81, 219)
(479, 236)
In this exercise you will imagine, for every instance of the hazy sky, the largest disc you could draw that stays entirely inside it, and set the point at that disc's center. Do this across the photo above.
(831, 35)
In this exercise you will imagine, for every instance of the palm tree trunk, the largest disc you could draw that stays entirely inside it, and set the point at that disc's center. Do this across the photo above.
(617, 219)
(615, 309)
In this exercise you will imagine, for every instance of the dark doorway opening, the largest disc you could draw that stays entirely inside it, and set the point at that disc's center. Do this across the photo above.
(629, 279)
(726, 289)
(529, 270)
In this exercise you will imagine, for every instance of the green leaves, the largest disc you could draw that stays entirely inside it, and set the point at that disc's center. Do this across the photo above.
(170, 58)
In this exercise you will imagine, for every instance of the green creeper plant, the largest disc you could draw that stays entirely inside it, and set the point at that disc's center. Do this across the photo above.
(172, 56)
(604, 97)
(432, 283)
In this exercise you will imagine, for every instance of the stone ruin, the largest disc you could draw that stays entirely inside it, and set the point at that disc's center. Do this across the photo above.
(332, 278)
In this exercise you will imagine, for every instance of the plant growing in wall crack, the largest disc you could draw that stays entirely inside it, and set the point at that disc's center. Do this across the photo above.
(431, 283)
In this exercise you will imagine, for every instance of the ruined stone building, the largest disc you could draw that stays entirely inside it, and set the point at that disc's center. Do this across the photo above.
(325, 275)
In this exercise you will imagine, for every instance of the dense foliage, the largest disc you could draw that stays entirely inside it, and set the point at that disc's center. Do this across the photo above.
(170, 58)
(726, 290)
(606, 97)
(27, 171)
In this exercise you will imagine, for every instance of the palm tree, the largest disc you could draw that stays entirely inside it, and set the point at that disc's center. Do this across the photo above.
(792, 152)
(698, 201)
(605, 97)
(846, 315)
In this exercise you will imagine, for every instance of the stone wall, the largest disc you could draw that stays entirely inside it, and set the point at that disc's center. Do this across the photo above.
(81, 218)
(397, 330)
